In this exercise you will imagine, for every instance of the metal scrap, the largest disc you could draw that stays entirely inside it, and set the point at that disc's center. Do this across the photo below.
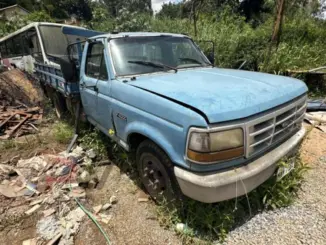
(19, 120)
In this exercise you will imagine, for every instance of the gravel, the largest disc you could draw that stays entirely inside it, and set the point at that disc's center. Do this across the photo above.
(302, 223)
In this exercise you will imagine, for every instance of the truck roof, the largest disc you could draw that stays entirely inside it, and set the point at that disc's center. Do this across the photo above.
(136, 34)
(36, 24)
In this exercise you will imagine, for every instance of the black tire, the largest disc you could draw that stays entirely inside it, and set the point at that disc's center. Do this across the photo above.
(59, 105)
(156, 169)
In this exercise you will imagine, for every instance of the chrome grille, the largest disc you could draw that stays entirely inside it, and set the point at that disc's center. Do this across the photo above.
(275, 126)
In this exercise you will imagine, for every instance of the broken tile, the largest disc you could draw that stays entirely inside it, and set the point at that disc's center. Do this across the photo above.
(30, 242)
(48, 212)
(97, 209)
(36, 202)
(143, 199)
(33, 209)
(106, 206)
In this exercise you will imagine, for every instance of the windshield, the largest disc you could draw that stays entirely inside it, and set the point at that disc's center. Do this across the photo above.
(139, 55)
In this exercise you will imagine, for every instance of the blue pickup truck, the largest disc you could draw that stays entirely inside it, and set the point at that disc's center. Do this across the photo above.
(213, 134)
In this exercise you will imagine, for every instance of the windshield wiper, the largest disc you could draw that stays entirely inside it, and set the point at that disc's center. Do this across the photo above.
(195, 61)
(153, 64)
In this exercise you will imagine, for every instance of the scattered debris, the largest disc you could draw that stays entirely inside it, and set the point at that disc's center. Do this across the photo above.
(142, 199)
(47, 227)
(105, 218)
(142, 196)
(106, 206)
(16, 121)
(53, 181)
(36, 202)
(322, 128)
(33, 209)
(78, 193)
(180, 227)
(97, 209)
(30, 242)
(55, 239)
(84, 177)
(319, 117)
(91, 154)
(113, 199)
(67, 186)
(48, 212)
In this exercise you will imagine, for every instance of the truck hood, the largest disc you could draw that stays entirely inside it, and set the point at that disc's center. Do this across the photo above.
(223, 94)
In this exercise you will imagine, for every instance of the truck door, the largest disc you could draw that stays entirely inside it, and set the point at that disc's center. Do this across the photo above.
(94, 82)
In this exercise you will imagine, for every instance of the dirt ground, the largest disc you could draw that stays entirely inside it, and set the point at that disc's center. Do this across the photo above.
(132, 222)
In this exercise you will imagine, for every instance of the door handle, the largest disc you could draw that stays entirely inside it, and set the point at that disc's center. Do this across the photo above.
(93, 87)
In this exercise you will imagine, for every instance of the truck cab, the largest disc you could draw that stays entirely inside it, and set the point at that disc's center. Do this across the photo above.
(211, 133)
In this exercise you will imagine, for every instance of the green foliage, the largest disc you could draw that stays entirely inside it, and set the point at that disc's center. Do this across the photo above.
(132, 21)
(18, 21)
(283, 193)
(40, 16)
(63, 132)
(213, 221)
(94, 139)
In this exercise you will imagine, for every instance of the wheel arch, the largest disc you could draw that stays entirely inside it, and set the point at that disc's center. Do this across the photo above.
(136, 137)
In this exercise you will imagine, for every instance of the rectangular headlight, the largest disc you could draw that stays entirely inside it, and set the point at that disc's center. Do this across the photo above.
(216, 146)
(224, 140)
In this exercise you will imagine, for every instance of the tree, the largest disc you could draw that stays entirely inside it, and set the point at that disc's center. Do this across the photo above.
(171, 10)
(252, 10)
(140, 6)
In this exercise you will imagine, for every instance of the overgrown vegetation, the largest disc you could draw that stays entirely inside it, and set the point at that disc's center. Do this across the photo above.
(213, 221)
(241, 31)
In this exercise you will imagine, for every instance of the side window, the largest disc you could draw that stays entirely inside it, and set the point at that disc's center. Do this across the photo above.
(3, 50)
(10, 47)
(17, 45)
(95, 62)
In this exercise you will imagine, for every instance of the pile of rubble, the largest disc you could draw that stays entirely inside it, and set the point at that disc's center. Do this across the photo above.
(16, 121)
(52, 185)
(317, 119)
(20, 99)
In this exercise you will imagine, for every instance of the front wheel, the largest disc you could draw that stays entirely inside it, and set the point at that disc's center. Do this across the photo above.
(156, 172)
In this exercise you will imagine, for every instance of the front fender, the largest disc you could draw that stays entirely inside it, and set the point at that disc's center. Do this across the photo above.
(157, 136)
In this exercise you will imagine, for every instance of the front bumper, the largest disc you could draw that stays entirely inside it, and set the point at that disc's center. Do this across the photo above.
(231, 183)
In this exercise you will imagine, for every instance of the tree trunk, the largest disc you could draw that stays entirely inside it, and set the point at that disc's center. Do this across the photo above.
(278, 23)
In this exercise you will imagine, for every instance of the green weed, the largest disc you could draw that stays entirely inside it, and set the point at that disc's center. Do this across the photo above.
(92, 138)
(63, 132)
(209, 222)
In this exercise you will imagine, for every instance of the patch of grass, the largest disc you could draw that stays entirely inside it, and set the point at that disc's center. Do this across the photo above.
(210, 222)
(7, 144)
(63, 132)
(92, 138)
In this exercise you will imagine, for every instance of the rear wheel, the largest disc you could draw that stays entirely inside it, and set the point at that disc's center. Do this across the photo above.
(156, 172)
(59, 105)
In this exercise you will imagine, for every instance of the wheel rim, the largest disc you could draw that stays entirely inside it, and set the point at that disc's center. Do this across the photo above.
(153, 175)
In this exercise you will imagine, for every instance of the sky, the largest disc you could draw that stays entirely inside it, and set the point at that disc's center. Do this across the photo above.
(157, 4)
